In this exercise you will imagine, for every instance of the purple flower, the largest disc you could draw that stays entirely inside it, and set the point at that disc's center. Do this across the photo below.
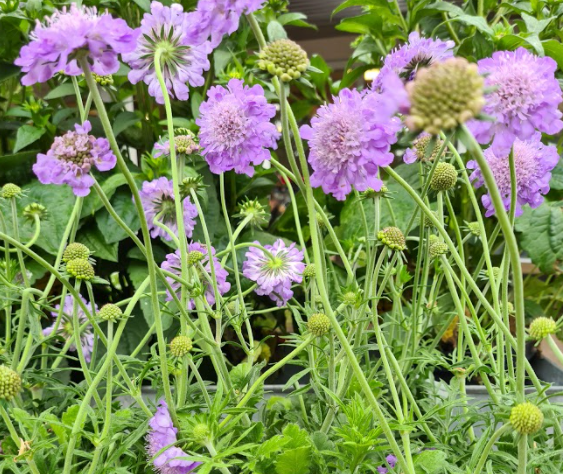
(215, 18)
(182, 143)
(66, 328)
(54, 45)
(348, 140)
(525, 98)
(173, 264)
(235, 128)
(274, 273)
(416, 53)
(533, 162)
(71, 157)
(157, 198)
(162, 434)
(391, 462)
(182, 60)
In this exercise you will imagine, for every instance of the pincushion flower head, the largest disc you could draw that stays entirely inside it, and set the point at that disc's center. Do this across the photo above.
(183, 61)
(163, 433)
(525, 97)
(66, 327)
(173, 264)
(533, 163)
(348, 140)
(71, 158)
(417, 53)
(71, 33)
(157, 197)
(275, 272)
(214, 19)
(235, 129)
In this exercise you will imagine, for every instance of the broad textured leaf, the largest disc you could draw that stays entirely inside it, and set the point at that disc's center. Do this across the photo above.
(294, 461)
(429, 462)
(123, 204)
(92, 202)
(94, 240)
(557, 176)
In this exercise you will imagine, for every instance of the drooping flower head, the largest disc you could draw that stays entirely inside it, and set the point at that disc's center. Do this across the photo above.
(71, 157)
(348, 140)
(417, 53)
(525, 97)
(66, 328)
(72, 32)
(173, 264)
(276, 272)
(157, 197)
(162, 434)
(183, 61)
(214, 19)
(533, 162)
(235, 128)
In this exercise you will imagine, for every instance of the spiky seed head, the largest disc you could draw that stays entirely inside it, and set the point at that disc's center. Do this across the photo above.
(542, 327)
(445, 95)
(10, 190)
(10, 383)
(80, 269)
(474, 228)
(310, 271)
(283, 58)
(76, 251)
(393, 238)
(190, 183)
(318, 324)
(444, 177)
(180, 346)
(437, 248)
(526, 418)
(195, 256)
(34, 209)
(252, 209)
(110, 312)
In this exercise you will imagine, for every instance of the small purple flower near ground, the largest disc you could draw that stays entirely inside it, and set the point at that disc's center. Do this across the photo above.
(391, 461)
(54, 44)
(236, 131)
(162, 434)
(533, 163)
(525, 98)
(183, 61)
(71, 157)
(173, 264)
(215, 18)
(157, 197)
(274, 276)
(66, 328)
(348, 140)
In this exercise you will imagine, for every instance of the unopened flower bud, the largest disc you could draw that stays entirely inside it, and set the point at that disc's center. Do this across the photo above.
(283, 58)
(10, 190)
(10, 383)
(201, 432)
(110, 312)
(318, 324)
(428, 222)
(474, 228)
(34, 209)
(526, 418)
(194, 256)
(80, 269)
(309, 271)
(444, 177)
(542, 327)
(437, 248)
(393, 238)
(180, 346)
(76, 251)
(420, 147)
(103, 80)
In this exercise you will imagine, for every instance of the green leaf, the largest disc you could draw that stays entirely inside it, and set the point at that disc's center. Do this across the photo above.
(557, 176)
(92, 202)
(294, 461)
(458, 14)
(62, 90)
(26, 135)
(276, 31)
(8, 70)
(94, 240)
(429, 462)
(534, 26)
(554, 49)
(143, 4)
(196, 101)
(123, 121)
(358, 3)
(125, 208)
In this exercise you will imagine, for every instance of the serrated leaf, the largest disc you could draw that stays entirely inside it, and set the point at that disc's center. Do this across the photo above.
(294, 461)
(429, 462)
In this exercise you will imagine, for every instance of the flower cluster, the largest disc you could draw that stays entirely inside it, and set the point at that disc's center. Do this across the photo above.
(235, 128)
(348, 140)
(72, 32)
(274, 271)
(71, 158)
(158, 202)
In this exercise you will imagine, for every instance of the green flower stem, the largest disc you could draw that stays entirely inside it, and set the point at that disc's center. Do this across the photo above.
(555, 348)
(213, 452)
(231, 244)
(167, 229)
(155, 304)
(79, 102)
(489, 446)
(24, 312)
(16, 231)
(34, 237)
(8, 260)
(200, 381)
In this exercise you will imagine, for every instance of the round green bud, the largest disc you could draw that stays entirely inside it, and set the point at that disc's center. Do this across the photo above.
(76, 251)
(371, 193)
(349, 298)
(318, 324)
(34, 209)
(393, 238)
(186, 143)
(526, 418)
(474, 228)
(80, 269)
(444, 177)
(445, 95)
(437, 248)
(433, 238)
(195, 256)
(10, 190)
(110, 312)
(10, 383)
(283, 58)
(542, 327)
(201, 432)
(103, 80)
(420, 147)
(428, 222)
(496, 272)
(309, 271)
(180, 346)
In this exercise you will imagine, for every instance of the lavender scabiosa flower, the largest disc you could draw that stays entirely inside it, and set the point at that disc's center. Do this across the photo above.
(525, 98)
(214, 19)
(391, 462)
(416, 53)
(276, 272)
(183, 61)
(66, 328)
(68, 33)
(71, 157)
(533, 162)
(172, 460)
(235, 128)
(157, 197)
(173, 264)
(348, 140)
